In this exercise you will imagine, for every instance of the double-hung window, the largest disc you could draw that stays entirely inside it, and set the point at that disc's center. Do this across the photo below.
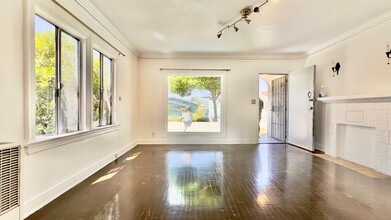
(57, 79)
(102, 80)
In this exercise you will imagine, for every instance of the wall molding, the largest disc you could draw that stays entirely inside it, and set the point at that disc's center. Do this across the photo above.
(219, 141)
(351, 33)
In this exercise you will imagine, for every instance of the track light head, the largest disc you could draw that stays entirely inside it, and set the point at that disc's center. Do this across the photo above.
(236, 29)
(219, 35)
(247, 20)
(256, 10)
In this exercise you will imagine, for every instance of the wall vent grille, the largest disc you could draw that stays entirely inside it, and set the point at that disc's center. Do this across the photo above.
(9, 178)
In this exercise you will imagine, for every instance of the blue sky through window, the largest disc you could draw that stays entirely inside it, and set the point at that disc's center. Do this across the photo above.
(42, 25)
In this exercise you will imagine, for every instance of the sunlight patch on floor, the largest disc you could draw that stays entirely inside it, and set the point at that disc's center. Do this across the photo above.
(133, 156)
(353, 166)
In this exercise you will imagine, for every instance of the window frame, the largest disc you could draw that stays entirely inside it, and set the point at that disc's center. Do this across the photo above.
(103, 55)
(87, 40)
(58, 74)
(222, 132)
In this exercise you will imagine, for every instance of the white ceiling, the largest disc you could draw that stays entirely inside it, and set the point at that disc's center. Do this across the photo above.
(178, 28)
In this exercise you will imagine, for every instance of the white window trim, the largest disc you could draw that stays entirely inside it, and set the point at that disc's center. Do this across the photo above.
(223, 120)
(87, 42)
(110, 53)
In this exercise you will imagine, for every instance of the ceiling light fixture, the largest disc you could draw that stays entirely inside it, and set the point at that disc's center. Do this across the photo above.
(244, 13)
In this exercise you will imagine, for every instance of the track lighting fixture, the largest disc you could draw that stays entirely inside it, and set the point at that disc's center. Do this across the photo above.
(244, 13)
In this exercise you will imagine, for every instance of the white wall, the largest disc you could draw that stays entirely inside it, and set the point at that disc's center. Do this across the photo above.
(364, 69)
(241, 85)
(49, 173)
(11, 71)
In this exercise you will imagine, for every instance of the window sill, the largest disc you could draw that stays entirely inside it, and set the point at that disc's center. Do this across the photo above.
(60, 140)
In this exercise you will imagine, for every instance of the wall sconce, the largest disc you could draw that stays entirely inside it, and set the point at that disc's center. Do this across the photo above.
(336, 68)
(388, 53)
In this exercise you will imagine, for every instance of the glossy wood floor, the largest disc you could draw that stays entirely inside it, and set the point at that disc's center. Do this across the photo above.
(223, 182)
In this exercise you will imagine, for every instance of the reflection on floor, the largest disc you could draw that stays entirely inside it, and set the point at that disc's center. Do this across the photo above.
(268, 140)
(223, 182)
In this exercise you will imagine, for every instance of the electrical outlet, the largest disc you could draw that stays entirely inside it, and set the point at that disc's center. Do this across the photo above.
(253, 101)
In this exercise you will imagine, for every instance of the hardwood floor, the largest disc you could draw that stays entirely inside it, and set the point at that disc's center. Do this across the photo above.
(223, 182)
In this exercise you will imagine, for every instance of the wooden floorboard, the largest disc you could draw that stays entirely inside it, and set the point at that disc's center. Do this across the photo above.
(223, 182)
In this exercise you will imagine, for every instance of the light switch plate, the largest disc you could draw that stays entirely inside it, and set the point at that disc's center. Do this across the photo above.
(253, 101)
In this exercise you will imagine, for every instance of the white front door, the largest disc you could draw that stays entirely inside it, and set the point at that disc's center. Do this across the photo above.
(301, 108)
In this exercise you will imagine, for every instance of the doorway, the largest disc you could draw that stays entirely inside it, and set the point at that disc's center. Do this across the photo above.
(273, 108)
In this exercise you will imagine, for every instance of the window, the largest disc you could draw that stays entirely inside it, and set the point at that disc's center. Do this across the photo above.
(102, 78)
(194, 104)
(57, 79)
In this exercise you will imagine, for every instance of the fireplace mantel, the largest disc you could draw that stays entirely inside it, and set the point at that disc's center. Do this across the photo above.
(356, 98)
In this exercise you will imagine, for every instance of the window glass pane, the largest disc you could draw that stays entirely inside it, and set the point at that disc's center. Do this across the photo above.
(45, 76)
(107, 91)
(69, 83)
(194, 104)
(96, 88)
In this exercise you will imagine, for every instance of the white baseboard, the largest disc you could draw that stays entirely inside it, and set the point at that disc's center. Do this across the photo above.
(218, 141)
(126, 148)
(31, 206)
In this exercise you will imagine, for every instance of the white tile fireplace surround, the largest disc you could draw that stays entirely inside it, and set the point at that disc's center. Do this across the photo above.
(357, 128)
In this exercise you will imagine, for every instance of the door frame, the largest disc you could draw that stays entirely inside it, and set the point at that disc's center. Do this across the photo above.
(287, 101)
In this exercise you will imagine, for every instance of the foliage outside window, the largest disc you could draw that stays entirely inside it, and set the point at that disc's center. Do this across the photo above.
(102, 80)
(194, 104)
(57, 84)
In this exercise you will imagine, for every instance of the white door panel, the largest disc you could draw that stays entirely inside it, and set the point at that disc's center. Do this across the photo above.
(301, 108)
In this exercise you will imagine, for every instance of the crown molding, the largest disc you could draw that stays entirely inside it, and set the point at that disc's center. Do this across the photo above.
(88, 13)
(351, 33)
(201, 56)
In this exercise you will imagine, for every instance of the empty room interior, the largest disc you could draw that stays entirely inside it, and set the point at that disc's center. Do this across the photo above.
(270, 109)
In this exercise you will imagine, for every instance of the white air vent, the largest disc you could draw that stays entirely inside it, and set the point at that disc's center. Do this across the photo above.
(9, 177)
